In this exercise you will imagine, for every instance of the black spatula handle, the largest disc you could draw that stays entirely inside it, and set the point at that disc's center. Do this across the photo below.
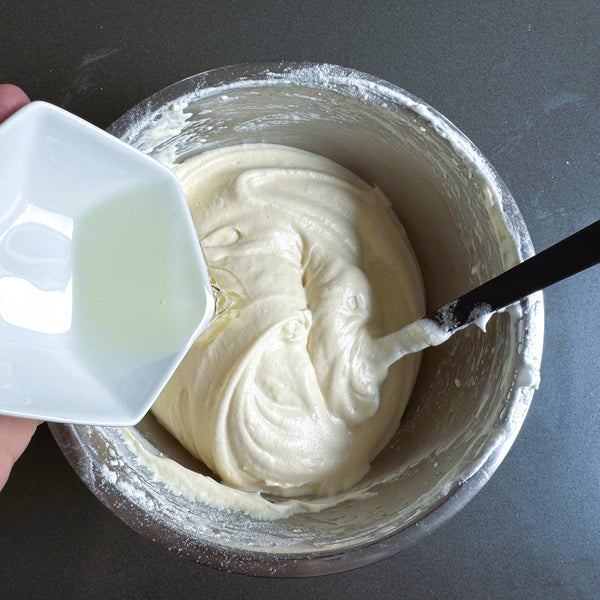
(574, 254)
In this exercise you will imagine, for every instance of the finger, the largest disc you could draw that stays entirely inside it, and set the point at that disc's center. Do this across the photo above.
(12, 98)
(15, 434)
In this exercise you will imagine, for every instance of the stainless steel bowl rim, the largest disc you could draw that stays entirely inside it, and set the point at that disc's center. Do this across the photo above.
(369, 89)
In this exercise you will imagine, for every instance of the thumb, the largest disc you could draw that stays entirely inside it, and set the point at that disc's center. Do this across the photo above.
(12, 98)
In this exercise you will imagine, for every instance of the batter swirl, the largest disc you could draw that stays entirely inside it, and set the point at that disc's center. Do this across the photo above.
(279, 394)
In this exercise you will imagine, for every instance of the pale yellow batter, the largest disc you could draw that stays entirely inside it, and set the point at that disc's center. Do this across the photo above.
(281, 393)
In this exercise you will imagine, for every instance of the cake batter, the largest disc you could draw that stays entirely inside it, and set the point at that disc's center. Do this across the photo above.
(281, 394)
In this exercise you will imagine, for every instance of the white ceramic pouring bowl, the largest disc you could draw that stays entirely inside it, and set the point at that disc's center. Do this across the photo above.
(59, 360)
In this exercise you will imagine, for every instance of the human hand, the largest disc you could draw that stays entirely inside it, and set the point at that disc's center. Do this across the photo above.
(15, 433)
(12, 99)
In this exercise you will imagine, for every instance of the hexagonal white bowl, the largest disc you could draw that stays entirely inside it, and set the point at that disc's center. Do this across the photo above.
(103, 284)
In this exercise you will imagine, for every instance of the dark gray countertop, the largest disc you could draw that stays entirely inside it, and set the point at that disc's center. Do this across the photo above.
(521, 79)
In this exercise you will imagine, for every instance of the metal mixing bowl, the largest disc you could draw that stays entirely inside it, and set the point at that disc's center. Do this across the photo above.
(472, 393)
